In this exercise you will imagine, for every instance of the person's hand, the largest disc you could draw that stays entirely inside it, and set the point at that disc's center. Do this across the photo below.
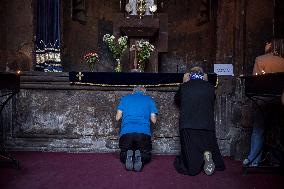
(186, 77)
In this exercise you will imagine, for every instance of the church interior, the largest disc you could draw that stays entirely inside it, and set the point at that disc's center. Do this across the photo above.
(65, 64)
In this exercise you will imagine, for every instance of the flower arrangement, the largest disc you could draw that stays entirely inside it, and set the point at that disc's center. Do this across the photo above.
(91, 58)
(144, 50)
(116, 47)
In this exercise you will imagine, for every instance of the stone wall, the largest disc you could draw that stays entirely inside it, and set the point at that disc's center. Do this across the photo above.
(3, 37)
(16, 33)
(83, 120)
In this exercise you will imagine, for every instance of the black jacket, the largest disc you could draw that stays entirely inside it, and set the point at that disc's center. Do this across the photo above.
(196, 101)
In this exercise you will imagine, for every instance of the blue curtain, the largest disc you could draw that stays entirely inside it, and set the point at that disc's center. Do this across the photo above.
(47, 52)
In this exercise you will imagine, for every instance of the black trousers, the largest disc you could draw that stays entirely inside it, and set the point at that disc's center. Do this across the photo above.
(136, 141)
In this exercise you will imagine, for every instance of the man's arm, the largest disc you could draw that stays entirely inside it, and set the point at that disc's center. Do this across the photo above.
(154, 111)
(186, 78)
(118, 115)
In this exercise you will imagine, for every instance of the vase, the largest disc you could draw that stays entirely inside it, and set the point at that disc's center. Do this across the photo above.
(141, 66)
(118, 66)
(92, 67)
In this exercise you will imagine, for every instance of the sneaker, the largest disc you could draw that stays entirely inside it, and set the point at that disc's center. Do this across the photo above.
(137, 161)
(129, 160)
(209, 166)
(246, 162)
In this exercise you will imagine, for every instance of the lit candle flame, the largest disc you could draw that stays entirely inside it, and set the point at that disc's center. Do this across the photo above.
(263, 72)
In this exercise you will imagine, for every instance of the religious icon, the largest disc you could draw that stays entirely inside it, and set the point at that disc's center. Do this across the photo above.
(141, 7)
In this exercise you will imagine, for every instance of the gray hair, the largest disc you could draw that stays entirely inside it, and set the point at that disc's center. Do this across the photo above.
(196, 69)
(139, 88)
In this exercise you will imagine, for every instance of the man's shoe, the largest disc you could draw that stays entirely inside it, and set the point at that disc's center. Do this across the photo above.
(137, 161)
(246, 162)
(209, 166)
(129, 160)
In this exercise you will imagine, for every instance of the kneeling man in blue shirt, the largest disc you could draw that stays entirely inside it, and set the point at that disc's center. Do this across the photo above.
(136, 110)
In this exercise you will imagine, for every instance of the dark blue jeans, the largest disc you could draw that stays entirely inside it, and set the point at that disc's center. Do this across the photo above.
(258, 131)
(257, 137)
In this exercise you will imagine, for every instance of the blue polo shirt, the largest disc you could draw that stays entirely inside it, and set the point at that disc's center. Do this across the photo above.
(136, 113)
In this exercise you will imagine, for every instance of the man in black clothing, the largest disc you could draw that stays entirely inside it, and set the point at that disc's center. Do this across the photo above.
(197, 127)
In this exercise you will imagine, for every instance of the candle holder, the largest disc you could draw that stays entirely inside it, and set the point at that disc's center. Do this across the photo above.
(141, 7)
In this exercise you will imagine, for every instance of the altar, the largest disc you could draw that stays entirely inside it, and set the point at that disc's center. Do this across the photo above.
(58, 112)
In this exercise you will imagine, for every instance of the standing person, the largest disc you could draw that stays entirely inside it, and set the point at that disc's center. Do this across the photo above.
(197, 127)
(270, 62)
(136, 110)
